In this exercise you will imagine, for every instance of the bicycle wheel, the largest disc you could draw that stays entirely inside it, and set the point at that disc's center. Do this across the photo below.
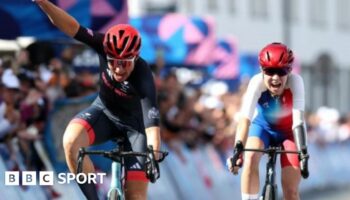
(114, 194)
(270, 192)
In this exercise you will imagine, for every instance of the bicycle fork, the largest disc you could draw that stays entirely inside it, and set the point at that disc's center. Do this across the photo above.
(270, 187)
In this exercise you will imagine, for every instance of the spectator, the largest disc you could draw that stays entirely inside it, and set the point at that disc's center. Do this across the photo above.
(344, 129)
(9, 115)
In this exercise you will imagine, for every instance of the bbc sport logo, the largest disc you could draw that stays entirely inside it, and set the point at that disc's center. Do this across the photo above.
(16, 178)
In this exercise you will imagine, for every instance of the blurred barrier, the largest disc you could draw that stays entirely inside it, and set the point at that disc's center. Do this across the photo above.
(63, 111)
(329, 166)
(16, 192)
(200, 174)
(195, 174)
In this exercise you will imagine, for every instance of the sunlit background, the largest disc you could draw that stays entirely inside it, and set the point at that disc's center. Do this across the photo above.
(202, 53)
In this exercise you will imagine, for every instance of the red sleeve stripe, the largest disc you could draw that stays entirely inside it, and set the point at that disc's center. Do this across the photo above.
(88, 128)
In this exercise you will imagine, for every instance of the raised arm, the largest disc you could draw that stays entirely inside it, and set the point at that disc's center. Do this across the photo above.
(60, 18)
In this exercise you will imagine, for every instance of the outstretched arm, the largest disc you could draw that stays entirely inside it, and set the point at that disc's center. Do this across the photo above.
(60, 18)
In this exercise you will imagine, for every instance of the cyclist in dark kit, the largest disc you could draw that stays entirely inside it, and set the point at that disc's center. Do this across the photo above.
(126, 103)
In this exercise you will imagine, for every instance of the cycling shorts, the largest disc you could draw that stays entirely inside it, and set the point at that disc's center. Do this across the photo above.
(272, 137)
(101, 126)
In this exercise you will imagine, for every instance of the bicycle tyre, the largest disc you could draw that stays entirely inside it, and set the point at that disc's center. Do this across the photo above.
(270, 192)
(114, 194)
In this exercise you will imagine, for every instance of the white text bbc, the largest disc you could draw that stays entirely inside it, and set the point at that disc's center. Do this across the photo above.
(48, 178)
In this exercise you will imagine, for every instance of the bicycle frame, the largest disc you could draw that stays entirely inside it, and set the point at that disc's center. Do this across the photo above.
(117, 155)
(116, 189)
(270, 187)
(269, 191)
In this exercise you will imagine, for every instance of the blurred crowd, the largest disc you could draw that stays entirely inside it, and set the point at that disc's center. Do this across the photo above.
(191, 114)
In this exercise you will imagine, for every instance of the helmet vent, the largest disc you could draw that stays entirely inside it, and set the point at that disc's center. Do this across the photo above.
(138, 45)
(132, 44)
(281, 57)
(121, 33)
(120, 50)
(115, 42)
(109, 45)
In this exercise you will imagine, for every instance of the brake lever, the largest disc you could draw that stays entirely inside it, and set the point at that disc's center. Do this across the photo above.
(164, 154)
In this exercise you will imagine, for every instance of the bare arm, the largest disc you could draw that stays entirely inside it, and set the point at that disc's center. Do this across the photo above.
(60, 18)
(250, 100)
(242, 130)
(241, 135)
(153, 138)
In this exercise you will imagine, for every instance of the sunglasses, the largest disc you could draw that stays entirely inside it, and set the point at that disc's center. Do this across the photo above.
(279, 71)
(123, 61)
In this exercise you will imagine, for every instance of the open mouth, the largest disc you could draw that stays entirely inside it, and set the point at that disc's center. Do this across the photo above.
(118, 77)
(118, 74)
(276, 85)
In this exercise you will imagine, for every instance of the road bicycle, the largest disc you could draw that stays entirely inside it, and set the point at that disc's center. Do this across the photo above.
(269, 191)
(117, 155)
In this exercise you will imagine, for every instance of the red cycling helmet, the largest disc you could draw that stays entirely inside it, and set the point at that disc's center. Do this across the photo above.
(276, 55)
(122, 41)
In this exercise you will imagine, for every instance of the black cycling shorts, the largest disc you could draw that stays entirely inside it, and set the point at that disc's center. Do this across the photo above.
(102, 126)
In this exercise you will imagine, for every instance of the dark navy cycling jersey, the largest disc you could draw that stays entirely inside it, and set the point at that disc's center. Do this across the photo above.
(132, 98)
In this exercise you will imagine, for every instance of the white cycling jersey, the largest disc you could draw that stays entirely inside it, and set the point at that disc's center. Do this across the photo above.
(284, 111)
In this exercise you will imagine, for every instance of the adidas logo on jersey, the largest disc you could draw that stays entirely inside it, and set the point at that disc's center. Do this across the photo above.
(136, 166)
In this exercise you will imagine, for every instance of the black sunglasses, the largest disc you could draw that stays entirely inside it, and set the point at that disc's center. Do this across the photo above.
(279, 71)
